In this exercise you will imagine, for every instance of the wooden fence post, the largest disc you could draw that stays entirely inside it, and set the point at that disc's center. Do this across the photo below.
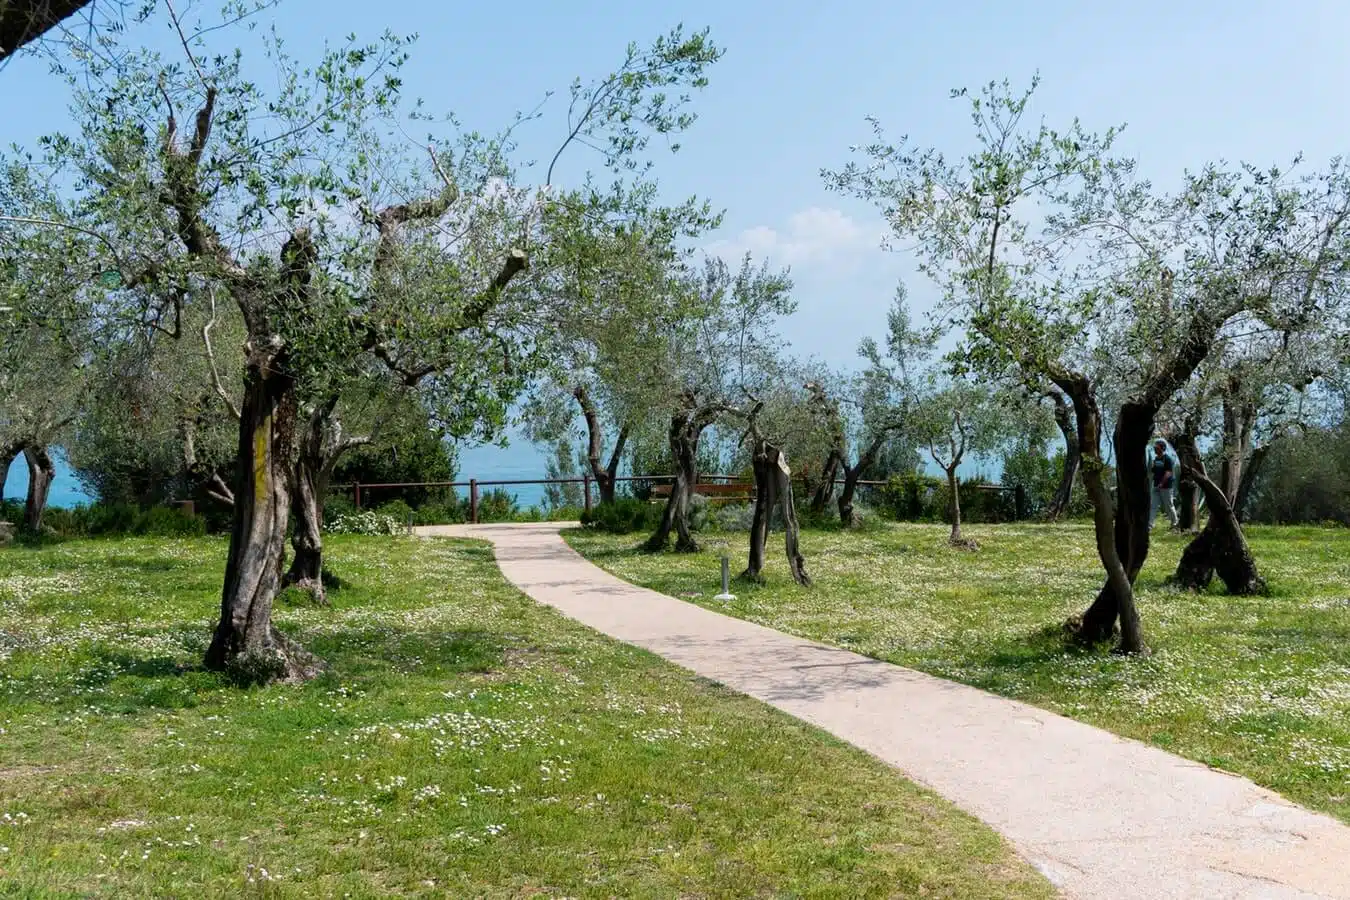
(473, 501)
(357, 487)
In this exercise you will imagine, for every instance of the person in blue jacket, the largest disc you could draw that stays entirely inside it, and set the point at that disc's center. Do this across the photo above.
(1163, 473)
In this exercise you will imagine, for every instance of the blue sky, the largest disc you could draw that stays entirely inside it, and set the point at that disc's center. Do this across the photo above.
(1194, 81)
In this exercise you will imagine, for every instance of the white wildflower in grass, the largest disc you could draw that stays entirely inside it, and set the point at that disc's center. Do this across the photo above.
(465, 732)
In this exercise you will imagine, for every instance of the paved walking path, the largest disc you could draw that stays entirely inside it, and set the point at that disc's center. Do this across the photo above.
(1101, 816)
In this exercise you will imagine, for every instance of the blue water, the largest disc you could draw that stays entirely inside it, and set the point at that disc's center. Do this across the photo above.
(66, 491)
(520, 460)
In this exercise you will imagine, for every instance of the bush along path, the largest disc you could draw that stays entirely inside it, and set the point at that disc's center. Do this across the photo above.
(1101, 816)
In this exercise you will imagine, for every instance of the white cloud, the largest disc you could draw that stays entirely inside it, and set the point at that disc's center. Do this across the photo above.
(813, 236)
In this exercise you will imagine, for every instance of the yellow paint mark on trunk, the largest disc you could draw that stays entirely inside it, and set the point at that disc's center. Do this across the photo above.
(261, 462)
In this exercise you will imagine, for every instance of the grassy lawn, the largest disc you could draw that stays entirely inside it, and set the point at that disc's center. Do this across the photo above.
(1258, 686)
(466, 743)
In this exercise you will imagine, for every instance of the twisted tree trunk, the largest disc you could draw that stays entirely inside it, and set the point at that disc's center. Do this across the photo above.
(41, 471)
(848, 516)
(245, 640)
(773, 488)
(686, 427)
(1188, 493)
(1116, 599)
(606, 475)
(609, 483)
(309, 486)
(829, 473)
(1188, 507)
(853, 474)
(1134, 428)
(1221, 547)
(1239, 420)
(1063, 497)
(8, 453)
(1116, 602)
(321, 445)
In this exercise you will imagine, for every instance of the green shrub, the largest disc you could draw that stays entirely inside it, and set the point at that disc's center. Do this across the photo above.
(112, 518)
(623, 516)
(11, 511)
(915, 497)
(498, 506)
(440, 513)
(977, 505)
(734, 517)
(910, 497)
(398, 510)
(335, 506)
(168, 521)
(565, 514)
(69, 523)
(698, 512)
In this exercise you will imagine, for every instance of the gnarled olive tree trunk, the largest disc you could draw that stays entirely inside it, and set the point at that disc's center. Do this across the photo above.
(1221, 547)
(8, 453)
(829, 473)
(1116, 599)
(1134, 429)
(309, 487)
(686, 427)
(245, 639)
(1250, 473)
(1239, 421)
(1188, 505)
(773, 488)
(320, 447)
(853, 474)
(605, 475)
(1063, 497)
(1188, 493)
(41, 472)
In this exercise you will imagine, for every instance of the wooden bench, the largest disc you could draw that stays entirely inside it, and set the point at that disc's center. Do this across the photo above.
(716, 493)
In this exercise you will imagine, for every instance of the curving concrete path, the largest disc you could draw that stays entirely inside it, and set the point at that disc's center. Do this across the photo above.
(1099, 815)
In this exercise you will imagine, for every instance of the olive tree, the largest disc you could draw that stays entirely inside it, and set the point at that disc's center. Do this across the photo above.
(957, 419)
(340, 253)
(1114, 276)
(46, 361)
(609, 292)
(773, 493)
(722, 352)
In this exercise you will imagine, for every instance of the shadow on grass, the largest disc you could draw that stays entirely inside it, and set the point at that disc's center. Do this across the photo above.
(124, 683)
(140, 564)
(592, 552)
(1034, 654)
(369, 651)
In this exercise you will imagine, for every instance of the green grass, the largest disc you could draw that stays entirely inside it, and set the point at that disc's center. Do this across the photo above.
(1254, 685)
(467, 742)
